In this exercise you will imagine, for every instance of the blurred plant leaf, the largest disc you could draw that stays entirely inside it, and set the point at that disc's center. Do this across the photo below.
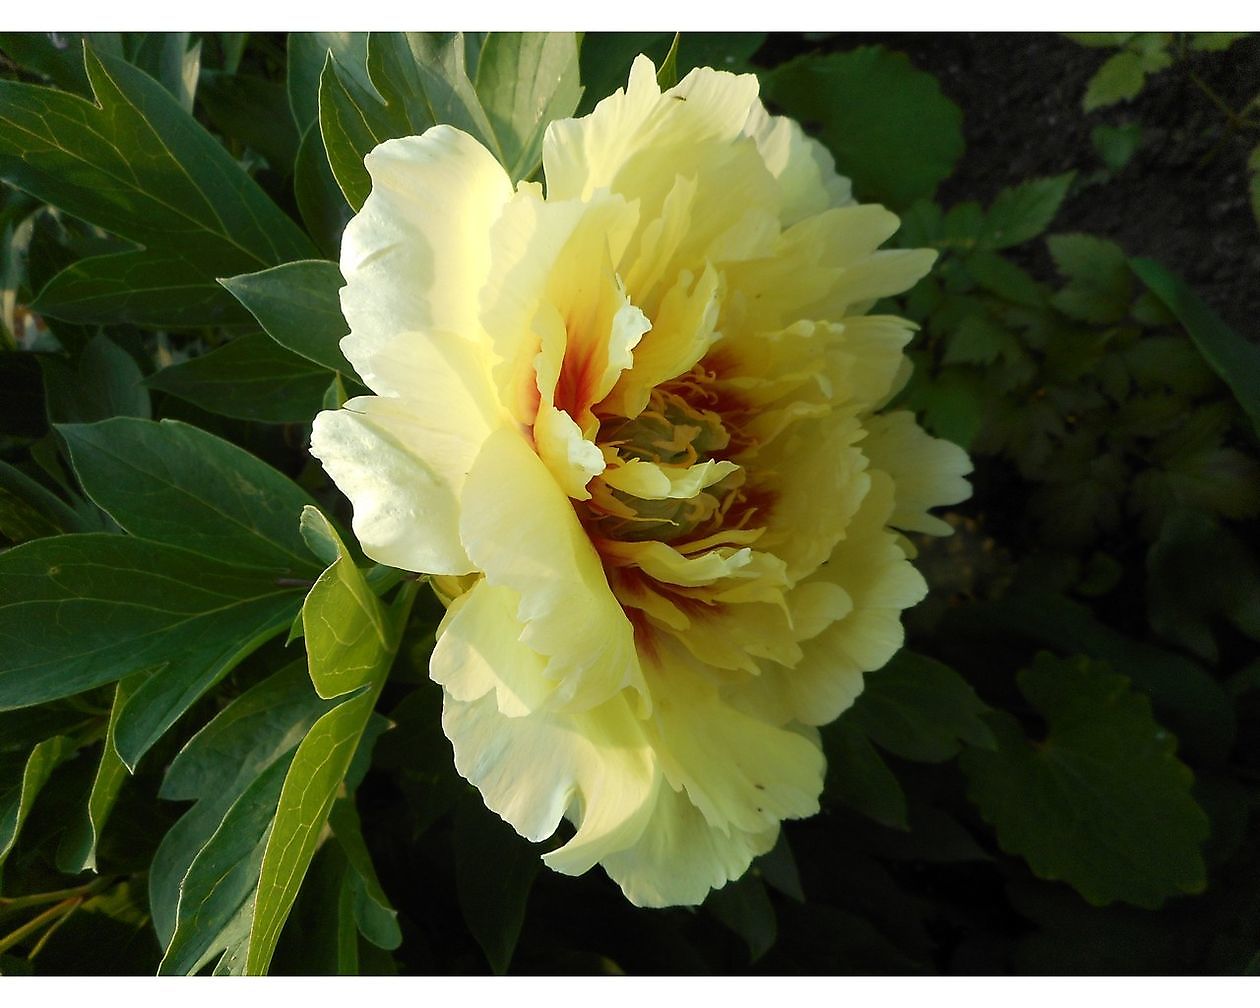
(744, 906)
(1120, 78)
(1116, 145)
(888, 125)
(859, 777)
(1021, 213)
(920, 710)
(1102, 802)
(1099, 287)
(1230, 356)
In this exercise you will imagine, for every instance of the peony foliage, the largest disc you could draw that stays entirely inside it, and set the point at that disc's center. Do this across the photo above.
(506, 502)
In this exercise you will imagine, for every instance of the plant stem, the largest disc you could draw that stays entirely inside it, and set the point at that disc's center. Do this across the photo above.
(10, 903)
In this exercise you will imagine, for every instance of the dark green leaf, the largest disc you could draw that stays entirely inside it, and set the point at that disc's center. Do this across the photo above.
(299, 306)
(1101, 803)
(180, 485)
(1118, 79)
(1116, 145)
(106, 383)
(145, 288)
(250, 378)
(351, 122)
(218, 764)
(888, 125)
(253, 111)
(17, 793)
(323, 206)
(1000, 276)
(858, 776)
(137, 165)
(920, 710)
(1231, 357)
(1023, 212)
(308, 52)
(77, 852)
(58, 56)
(29, 511)
(109, 605)
(494, 873)
(1099, 287)
(373, 913)
(667, 72)
(744, 906)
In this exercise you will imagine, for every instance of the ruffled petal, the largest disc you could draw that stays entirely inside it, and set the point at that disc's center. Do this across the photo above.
(928, 472)
(520, 529)
(417, 254)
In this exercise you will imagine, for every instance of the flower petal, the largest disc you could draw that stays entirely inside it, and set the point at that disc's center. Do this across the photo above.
(928, 472)
(520, 529)
(418, 252)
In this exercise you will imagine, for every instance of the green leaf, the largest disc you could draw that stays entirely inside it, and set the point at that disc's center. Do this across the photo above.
(1233, 358)
(310, 785)
(667, 72)
(16, 797)
(77, 852)
(858, 776)
(888, 125)
(374, 916)
(342, 621)
(307, 54)
(1198, 571)
(58, 56)
(977, 340)
(920, 710)
(1253, 166)
(106, 606)
(1102, 802)
(744, 906)
(1100, 40)
(299, 306)
(494, 873)
(324, 209)
(180, 485)
(351, 122)
(140, 167)
(524, 81)
(319, 768)
(253, 111)
(30, 511)
(144, 288)
(1116, 145)
(257, 729)
(1099, 287)
(105, 383)
(216, 896)
(250, 378)
(1021, 213)
(1120, 78)
(1215, 41)
(998, 275)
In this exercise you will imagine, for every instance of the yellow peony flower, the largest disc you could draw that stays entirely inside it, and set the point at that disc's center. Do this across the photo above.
(632, 424)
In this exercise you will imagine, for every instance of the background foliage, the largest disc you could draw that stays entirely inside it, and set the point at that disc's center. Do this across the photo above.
(1058, 775)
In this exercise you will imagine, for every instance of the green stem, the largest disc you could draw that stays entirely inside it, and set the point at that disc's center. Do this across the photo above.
(11, 903)
(35, 923)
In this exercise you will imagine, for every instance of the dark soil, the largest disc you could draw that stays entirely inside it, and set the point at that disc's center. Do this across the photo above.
(1182, 199)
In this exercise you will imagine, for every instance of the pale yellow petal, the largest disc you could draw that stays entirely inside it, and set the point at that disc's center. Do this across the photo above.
(417, 254)
(927, 472)
(520, 529)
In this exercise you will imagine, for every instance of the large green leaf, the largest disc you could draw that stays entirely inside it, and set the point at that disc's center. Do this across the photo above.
(373, 914)
(250, 378)
(888, 125)
(180, 485)
(308, 52)
(858, 776)
(299, 305)
(1230, 356)
(28, 510)
(136, 164)
(78, 611)
(153, 288)
(920, 710)
(1101, 802)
